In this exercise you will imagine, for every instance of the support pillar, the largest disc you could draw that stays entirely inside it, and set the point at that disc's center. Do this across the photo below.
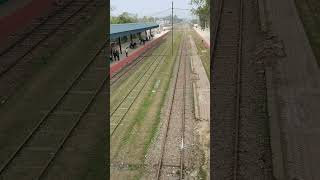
(120, 45)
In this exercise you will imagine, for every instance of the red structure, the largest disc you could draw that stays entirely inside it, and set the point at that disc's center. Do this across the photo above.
(114, 68)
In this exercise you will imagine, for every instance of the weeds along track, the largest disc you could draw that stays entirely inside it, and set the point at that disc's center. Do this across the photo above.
(36, 153)
(226, 97)
(17, 59)
(172, 149)
(122, 108)
(125, 72)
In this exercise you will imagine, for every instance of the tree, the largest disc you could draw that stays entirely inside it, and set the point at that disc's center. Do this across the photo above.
(125, 17)
(194, 21)
(147, 19)
(202, 11)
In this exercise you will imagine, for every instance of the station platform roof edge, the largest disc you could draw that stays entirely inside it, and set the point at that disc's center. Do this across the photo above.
(119, 30)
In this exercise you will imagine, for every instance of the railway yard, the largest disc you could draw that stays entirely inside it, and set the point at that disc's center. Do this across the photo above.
(243, 107)
(153, 129)
(53, 95)
(265, 125)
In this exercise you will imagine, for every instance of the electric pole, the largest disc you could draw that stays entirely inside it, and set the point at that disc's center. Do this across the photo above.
(172, 28)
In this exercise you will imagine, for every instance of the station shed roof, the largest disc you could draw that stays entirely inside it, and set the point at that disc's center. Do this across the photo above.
(119, 30)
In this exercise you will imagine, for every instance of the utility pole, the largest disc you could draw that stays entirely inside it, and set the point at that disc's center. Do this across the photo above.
(172, 28)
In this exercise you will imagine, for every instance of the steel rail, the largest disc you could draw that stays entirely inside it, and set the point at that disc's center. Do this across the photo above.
(118, 75)
(238, 78)
(82, 114)
(238, 100)
(160, 162)
(17, 60)
(183, 120)
(139, 79)
(4, 166)
(118, 123)
(35, 28)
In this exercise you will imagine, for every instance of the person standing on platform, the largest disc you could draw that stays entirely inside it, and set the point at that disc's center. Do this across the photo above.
(114, 54)
(126, 50)
(110, 58)
(117, 54)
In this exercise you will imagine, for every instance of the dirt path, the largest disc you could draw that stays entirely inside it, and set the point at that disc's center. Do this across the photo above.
(201, 85)
(201, 94)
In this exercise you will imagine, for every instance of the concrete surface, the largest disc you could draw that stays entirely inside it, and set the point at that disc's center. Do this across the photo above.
(201, 85)
(297, 92)
(205, 35)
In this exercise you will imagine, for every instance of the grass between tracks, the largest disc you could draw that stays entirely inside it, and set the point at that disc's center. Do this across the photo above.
(132, 140)
(121, 88)
(203, 52)
(309, 11)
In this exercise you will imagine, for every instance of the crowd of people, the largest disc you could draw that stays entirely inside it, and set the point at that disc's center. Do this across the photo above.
(115, 55)
(115, 51)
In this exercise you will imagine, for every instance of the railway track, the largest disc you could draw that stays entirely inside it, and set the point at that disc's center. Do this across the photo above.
(18, 38)
(227, 58)
(119, 112)
(240, 127)
(37, 152)
(169, 152)
(17, 59)
(24, 46)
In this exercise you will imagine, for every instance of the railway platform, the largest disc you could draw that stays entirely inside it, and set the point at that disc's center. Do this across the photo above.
(134, 53)
(138, 47)
(205, 35)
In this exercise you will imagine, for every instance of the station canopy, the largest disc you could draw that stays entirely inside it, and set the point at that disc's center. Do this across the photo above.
(120, 30)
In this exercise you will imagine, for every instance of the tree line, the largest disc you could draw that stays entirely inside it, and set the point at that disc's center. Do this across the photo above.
(202, 10)
(126, 17)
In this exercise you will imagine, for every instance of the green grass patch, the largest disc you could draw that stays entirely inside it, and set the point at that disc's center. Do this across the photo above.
(144, 107)
(309, 11)
(119, 92)
(155, 127)
(131, 132)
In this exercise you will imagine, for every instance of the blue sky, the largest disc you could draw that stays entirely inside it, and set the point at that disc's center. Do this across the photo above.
(151, 7)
